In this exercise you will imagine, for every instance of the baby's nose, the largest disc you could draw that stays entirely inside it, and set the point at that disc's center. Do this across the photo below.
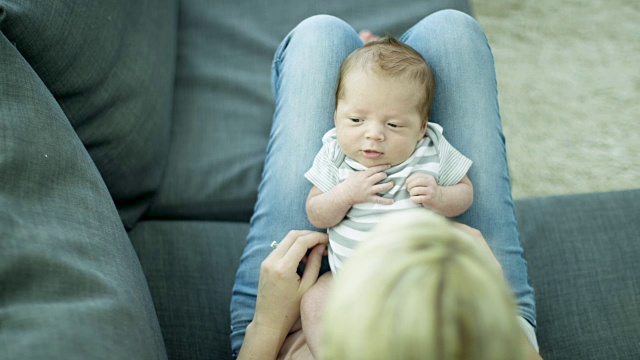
(374, 132)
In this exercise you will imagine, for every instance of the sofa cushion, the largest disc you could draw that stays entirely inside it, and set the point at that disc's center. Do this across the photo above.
(223, 103)
(110, 65)
(71, 286)
(191, 267)
(583, 256)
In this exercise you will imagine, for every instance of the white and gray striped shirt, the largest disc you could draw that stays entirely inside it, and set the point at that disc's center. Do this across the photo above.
(433, 155)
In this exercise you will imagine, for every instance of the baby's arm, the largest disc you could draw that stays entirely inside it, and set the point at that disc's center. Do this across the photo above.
(327, 209)
(449, 201)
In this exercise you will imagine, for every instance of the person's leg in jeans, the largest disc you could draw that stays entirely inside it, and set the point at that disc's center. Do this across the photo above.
(304, 76)
(466, 105)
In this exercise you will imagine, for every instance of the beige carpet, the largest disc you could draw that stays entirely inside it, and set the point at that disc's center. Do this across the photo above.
(569, 84)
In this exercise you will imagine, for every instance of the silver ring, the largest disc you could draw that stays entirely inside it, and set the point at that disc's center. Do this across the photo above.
(274, 245)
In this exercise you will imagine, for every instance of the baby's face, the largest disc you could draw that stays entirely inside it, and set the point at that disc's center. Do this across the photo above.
(377, 119)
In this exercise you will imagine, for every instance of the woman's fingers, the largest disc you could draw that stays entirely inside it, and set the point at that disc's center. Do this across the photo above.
(281, 265)
(288, 241)
(312, 268)
(303, 242)
(293, 248)
(280, 289)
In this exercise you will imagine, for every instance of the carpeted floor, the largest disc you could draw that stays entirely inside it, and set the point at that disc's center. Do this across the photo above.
(569, 84)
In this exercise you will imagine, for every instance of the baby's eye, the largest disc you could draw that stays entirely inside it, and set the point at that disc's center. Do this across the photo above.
(393, 125)
(356, 120)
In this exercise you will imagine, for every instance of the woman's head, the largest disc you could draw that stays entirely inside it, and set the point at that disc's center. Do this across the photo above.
(418, 288)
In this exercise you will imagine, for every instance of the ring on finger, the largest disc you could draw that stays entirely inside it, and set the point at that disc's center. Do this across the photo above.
(274, 245)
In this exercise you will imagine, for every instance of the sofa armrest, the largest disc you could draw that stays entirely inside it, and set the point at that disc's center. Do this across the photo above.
(583, 253)
(71, 286)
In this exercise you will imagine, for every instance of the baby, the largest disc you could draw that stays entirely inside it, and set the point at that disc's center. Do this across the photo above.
(382, 156)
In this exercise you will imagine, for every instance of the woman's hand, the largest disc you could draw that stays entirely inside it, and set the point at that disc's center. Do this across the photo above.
(280, 290)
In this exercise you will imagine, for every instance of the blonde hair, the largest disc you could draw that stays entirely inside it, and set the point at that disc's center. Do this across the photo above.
(418, 288)
(390, 57)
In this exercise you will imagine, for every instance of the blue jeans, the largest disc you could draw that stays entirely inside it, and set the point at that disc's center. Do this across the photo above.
(304, 74)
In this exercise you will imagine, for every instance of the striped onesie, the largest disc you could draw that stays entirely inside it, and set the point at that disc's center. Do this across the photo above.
(433, 155)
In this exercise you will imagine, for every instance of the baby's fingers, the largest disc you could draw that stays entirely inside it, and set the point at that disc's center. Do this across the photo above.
(382, 201)
(418, 190)
(419, 199)
(382, 188)
(419, 179)
(376, 178)
(376, 169)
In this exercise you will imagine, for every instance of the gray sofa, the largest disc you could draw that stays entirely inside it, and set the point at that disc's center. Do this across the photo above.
(132, 136)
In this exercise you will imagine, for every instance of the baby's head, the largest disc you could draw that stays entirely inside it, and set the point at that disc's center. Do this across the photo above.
(418, 288)
(389, 57)
(383, 95)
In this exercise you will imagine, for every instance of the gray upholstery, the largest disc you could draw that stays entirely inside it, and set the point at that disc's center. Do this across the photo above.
(190, 267)
(132, 136)
(71, 285)
(583, 256)
(111, 69)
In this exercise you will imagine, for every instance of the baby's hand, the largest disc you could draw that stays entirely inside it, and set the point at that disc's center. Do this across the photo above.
(424, 190)
(363, 186)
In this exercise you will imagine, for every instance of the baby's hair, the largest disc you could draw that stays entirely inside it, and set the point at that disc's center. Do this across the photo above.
(418, 288)
(390, 57)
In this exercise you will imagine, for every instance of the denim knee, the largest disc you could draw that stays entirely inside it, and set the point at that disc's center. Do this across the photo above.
(323, 29)
(452, 26)
(320, 35)
(315, 48)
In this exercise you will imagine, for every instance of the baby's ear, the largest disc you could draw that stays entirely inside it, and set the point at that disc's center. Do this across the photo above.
(423, 129)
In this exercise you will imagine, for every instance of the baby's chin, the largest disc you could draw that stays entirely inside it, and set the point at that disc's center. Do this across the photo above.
(369, 161)
(370, 164)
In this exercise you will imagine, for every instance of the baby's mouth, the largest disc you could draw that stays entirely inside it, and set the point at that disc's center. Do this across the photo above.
(371, 154)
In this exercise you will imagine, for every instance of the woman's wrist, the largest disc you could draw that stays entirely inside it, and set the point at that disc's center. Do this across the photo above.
(261, 342)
